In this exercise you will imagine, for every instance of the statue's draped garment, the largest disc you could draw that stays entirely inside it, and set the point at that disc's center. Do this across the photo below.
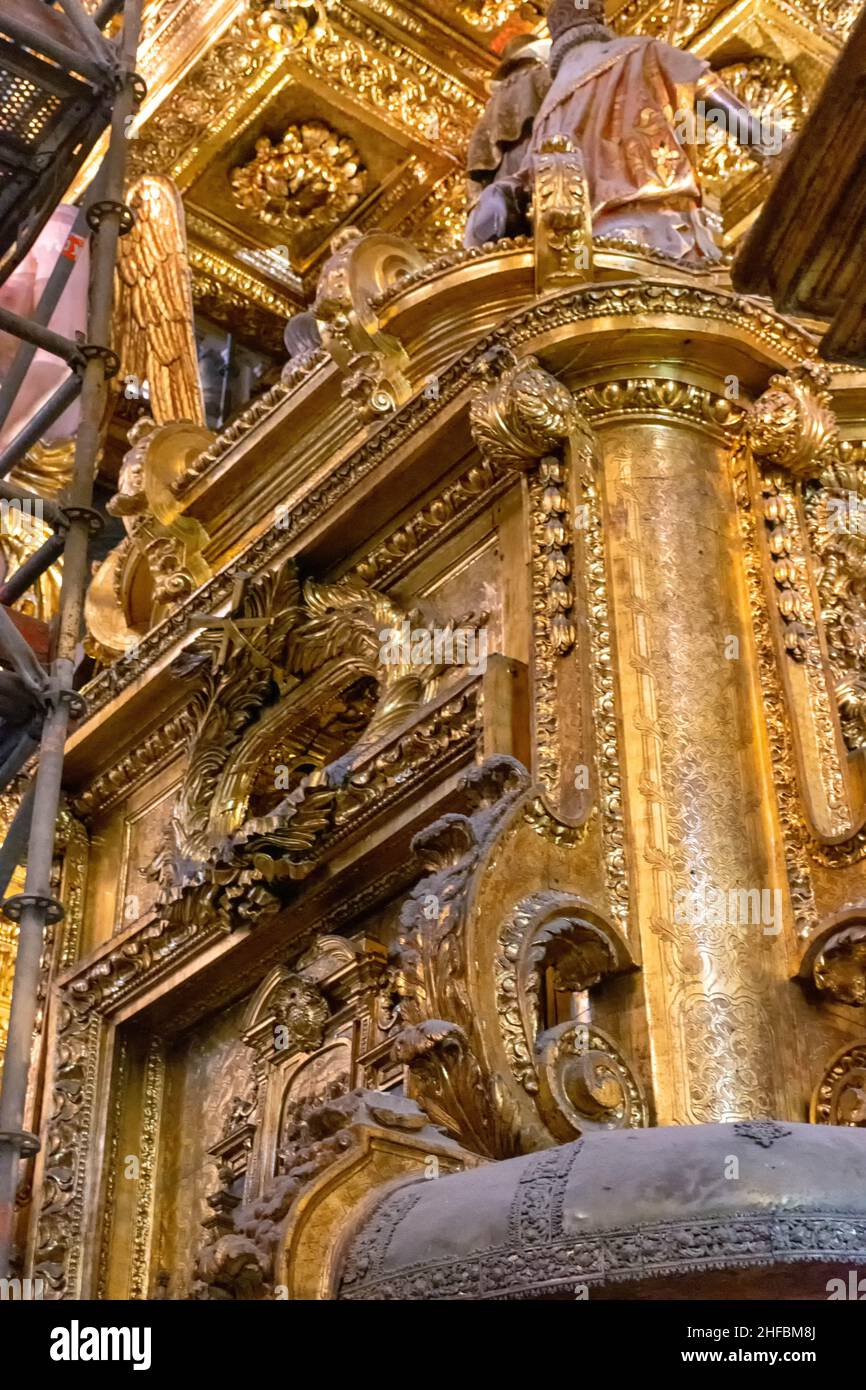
(498, 144)
(618, 102)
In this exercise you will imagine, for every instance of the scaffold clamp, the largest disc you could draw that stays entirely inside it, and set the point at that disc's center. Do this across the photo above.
(16, 906)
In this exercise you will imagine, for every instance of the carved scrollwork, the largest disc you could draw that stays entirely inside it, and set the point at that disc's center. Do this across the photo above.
(239, 1263)
(440, 1041)
(839, 968)
(274, 636)
(160, 539)
(578, 1075)
(539, 933)
(585, 1082)
(456, 1025)
(840, 1096)
(359, 270)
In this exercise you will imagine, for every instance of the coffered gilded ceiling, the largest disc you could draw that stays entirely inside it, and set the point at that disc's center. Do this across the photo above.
(368, 115)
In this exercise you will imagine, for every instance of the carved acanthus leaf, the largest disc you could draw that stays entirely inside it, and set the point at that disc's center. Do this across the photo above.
(791, 426)
(561, 215)
(440, 1040)
(522, 413)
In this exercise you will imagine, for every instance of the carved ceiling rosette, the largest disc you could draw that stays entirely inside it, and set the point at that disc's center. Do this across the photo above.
(304, 184)
(772, 93)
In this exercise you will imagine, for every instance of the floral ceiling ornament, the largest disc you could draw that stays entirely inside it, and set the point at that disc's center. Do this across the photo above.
(771, 91)
(306, 183)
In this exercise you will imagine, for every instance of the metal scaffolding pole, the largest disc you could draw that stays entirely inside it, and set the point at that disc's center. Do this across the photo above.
(41, 337)
(32, 569)
(15, 844)
(14, 761)
(86, 29)
(66, 58)
(42, 507)
(39, 423)
(36, 906)
(106, 12)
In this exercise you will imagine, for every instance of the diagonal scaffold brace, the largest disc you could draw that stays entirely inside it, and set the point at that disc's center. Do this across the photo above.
(36, 906)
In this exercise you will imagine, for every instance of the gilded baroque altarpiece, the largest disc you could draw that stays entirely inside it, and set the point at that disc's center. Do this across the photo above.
(336, 922)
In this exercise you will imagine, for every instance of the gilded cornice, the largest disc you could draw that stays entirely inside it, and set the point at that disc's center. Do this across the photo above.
(433, 523)
(456, 104)
(779, 341)
(700, 22)
(251, 290)
(364, 65)
(146, 757)
(215, 94)
(254, 415)
(324, 913)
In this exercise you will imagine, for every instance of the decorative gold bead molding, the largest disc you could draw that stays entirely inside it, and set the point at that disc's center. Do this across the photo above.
(664, 397)
(144, 1224)
(840, 1096)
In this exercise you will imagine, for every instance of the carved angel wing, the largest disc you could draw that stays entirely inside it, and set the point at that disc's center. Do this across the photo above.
(155, 337)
